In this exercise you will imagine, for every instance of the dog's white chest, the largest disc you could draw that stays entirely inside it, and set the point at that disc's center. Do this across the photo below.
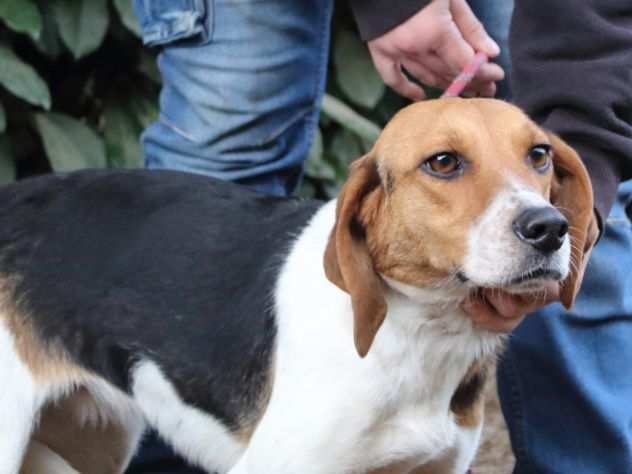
(414, 436)
(391, 408)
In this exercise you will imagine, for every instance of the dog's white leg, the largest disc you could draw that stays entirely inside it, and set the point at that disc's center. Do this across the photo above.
(240, 467)
(200, 438)
(19, 404)
(459, 458)
(468, 440)
(95, 428)
(40, 459)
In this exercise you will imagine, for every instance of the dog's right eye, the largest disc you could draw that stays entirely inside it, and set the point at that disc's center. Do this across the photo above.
(443, 165)
(539, 157)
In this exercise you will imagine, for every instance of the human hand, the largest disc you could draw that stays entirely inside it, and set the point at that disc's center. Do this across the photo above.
(434, 45)
(499, 311)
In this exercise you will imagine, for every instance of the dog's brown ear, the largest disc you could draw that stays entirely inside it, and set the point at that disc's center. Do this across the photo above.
(347, 262)
(571, 193)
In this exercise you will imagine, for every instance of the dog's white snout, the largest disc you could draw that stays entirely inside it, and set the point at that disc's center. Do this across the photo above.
(520, 237)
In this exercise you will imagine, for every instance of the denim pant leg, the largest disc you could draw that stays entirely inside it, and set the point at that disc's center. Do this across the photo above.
(241, 89)
(496, 17)
(565, 381)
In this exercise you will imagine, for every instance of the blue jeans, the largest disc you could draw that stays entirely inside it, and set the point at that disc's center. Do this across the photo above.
(243, 81)
(565, 381)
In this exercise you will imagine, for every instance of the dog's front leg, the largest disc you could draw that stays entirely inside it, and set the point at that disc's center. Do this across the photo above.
(285, 449)
(40, 459)
(459, 458)
(297, 465)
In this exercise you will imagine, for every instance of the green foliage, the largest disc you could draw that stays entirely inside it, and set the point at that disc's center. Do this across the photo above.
(7, 164)
(69, 144)
(355, 74)
(3, 119)
(22, 16)
(81, 24)
(124, 8)
(77, 88)
(22, 80)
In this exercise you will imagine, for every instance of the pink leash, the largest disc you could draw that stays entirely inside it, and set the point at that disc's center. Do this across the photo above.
(466, 76)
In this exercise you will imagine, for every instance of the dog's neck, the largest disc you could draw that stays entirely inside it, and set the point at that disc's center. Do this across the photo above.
(432, 327)
(445, 297)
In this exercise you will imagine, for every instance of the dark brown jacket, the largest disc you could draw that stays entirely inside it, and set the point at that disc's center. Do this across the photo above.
(572, 72)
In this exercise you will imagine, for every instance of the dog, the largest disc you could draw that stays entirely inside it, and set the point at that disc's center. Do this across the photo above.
(275, 335)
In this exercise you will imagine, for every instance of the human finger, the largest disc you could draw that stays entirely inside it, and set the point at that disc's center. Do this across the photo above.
(472, 29)
(392, 75)
(425, 75)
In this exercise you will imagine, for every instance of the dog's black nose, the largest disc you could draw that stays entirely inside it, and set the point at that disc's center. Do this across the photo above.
(543, 228)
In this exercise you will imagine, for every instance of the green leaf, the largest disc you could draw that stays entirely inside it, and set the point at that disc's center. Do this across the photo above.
(82, 24)
(147, 65)
(344, 115)
(122, 137)
(346, 147)
(126, 13)
(307, 190)
(316, 150)
(144, 108)
(7, 161)
(355, 73)
(49, 42)
(22, 16)
(316, 166)
(22, 80)
(3, 119)
(69, 143)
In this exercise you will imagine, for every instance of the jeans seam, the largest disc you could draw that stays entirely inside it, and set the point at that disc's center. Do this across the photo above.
(208, 20)
(176, 129)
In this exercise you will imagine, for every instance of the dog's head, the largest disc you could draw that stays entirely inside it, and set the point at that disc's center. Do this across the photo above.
(466, 191)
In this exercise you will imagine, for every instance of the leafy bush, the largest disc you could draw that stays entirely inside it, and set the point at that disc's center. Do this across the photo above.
(77, 88)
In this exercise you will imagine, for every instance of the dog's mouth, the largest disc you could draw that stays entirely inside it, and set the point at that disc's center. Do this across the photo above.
(500, 308)
(537, 275)
(500, 311)
(529, 280)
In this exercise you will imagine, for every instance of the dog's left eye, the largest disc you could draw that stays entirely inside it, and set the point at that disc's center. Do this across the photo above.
(443, 165)
(540, 157)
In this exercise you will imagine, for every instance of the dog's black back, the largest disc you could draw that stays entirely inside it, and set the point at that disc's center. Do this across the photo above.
(114, 265)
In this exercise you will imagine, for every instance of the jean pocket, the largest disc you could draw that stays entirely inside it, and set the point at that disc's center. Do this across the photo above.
(169, 21)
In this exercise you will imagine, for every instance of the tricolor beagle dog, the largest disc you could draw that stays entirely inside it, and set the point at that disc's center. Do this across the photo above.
(262, 335)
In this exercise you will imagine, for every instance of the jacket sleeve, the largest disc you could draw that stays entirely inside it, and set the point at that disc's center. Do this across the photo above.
(572, 72)
(376, 17)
